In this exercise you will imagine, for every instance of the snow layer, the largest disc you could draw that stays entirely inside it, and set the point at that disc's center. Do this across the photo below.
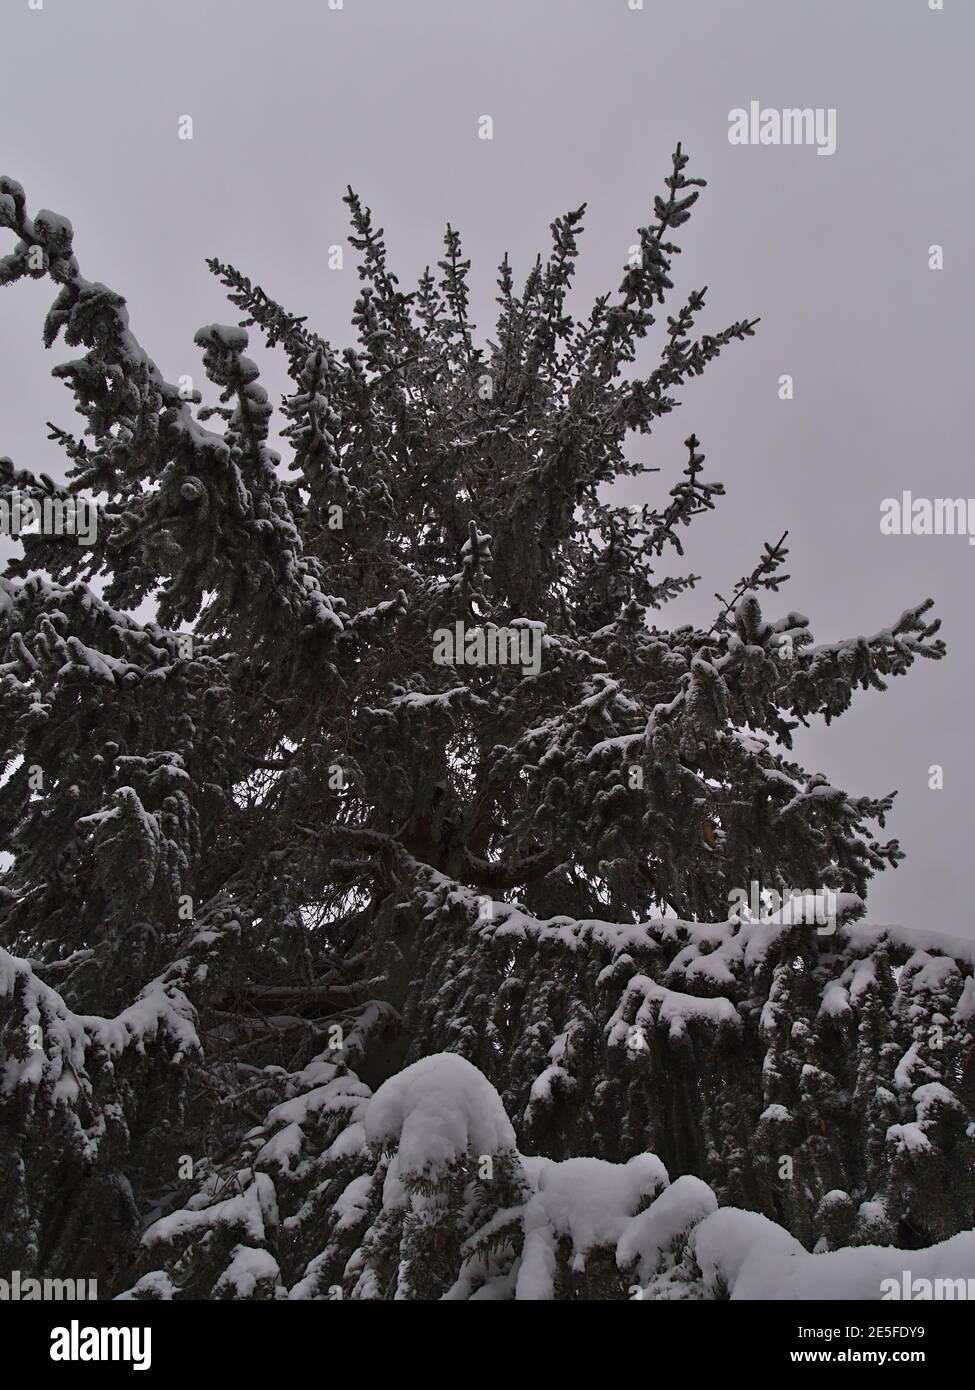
(753, 1258)
(649, 1235)
(438, 1110)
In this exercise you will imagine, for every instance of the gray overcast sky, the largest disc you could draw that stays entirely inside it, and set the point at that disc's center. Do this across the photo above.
(292, 100)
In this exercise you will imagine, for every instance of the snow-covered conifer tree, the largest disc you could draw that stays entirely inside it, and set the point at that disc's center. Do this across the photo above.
(339, 959)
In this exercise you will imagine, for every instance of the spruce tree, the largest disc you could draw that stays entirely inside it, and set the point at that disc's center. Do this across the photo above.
(329, 968)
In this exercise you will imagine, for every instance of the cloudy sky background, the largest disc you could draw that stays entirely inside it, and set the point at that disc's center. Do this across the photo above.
(291, 101)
